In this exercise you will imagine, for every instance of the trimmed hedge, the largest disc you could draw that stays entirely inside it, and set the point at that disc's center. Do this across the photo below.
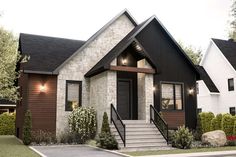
(7, 123)
(228, 124)
(205, 119)
(216, 122)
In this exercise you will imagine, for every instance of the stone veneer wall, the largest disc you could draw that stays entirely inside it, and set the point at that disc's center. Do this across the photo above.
(145, 92)
(77, 67)
(103, 93)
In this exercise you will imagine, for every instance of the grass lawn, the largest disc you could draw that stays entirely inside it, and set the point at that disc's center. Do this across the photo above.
(179, 151)
(11, 147)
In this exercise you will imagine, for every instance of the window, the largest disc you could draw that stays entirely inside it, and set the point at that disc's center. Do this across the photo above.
(172, 96)
(73, 94)
(232, 111)
(231, 84)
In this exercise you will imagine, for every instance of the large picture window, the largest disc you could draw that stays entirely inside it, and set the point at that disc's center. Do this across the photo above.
(171, 96)
(73, 94)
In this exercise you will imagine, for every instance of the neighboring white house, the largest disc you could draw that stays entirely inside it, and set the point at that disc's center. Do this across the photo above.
(216, 91)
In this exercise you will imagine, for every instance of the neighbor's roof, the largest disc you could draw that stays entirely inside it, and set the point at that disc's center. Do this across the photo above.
(46, 53)
(6, 102)
(228, 49)
(206, 78)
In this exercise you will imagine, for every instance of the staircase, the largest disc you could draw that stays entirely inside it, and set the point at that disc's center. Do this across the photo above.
(140, 136)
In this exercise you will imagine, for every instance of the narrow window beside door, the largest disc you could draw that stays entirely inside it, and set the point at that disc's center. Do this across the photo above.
(231, 84)
(73, 94)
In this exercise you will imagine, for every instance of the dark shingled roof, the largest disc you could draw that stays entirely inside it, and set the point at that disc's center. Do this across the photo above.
(228, 48)
(206, 78)
(46, 53)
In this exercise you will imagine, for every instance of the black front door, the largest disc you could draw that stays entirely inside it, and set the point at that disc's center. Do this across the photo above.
(124, 100)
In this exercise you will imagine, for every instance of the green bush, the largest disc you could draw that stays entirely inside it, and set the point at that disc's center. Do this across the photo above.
(7, 124)
(182, 138)
(216, 122)
(205, 118)
(83, 123)
(27, 128)
(43, 137)
(106, 140)
(227, 124)
(198, 132)
(69, 137)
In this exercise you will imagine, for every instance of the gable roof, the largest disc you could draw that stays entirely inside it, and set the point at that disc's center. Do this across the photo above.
(103, 64)
(228, 49)
(206, 78)
(46, 53)
(124, 12)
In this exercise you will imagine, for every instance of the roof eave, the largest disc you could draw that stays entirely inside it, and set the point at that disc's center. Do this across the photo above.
(39, 72)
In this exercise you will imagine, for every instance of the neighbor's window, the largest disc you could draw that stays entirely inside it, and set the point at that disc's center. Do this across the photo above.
(231, 84)
(199, 110)
(172, 96)
(73, 95)
(197, 88)
(232, 111)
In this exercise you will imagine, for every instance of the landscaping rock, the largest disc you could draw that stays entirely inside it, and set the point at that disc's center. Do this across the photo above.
(214, 138)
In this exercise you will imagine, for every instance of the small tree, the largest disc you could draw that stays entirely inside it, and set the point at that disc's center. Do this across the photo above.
(106, 139)
(27, 128)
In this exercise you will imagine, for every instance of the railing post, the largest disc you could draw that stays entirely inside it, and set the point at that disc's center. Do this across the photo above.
(150, 114)
(111, 115)
(124, 136)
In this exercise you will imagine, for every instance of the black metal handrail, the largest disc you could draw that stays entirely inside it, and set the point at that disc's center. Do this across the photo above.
(159, 122)
(117, 121)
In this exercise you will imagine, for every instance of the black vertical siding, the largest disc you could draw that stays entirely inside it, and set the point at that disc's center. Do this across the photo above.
(173, 67)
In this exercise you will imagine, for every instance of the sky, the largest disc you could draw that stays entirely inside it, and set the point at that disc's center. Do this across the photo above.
(193, 22)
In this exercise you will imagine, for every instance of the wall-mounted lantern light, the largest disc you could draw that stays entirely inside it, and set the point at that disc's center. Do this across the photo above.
(42, 88)
(124, 61)
(154, 89)
(191, 91)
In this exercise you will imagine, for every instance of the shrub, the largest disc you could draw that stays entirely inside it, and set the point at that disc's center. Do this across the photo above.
(7, 124)
(43, 136)
(106, 140)
(83, 123)
(216, 122)
(206, 118)
(27, 128)
(198, 132)
(227, 124)
(70, 137)
(182, 138)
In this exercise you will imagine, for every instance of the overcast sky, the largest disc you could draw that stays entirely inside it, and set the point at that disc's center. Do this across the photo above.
(191, 21)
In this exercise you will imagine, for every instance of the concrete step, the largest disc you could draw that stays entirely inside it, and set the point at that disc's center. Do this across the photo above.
(138, 129)
(135, 126)
(133, 133)
(134, 122)
(141, 137)
(140, 145)
(132, 149)
(155, 140)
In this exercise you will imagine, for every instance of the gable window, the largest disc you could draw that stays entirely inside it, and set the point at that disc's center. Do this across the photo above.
(232, 111)
(231, 84)
(73, 94)
(171, 96)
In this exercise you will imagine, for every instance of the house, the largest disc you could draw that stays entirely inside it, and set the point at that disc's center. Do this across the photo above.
(218, 68)
(129, 65)
(7, 106)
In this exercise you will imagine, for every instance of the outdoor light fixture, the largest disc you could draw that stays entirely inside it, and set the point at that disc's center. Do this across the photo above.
(138, 47)
(153, 88)
(191, 91)
(42, 88)
(124, 61)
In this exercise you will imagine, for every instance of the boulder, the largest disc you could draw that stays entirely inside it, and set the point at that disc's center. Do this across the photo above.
(214, 138)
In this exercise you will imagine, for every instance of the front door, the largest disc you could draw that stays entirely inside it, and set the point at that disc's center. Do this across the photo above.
(124, 100)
